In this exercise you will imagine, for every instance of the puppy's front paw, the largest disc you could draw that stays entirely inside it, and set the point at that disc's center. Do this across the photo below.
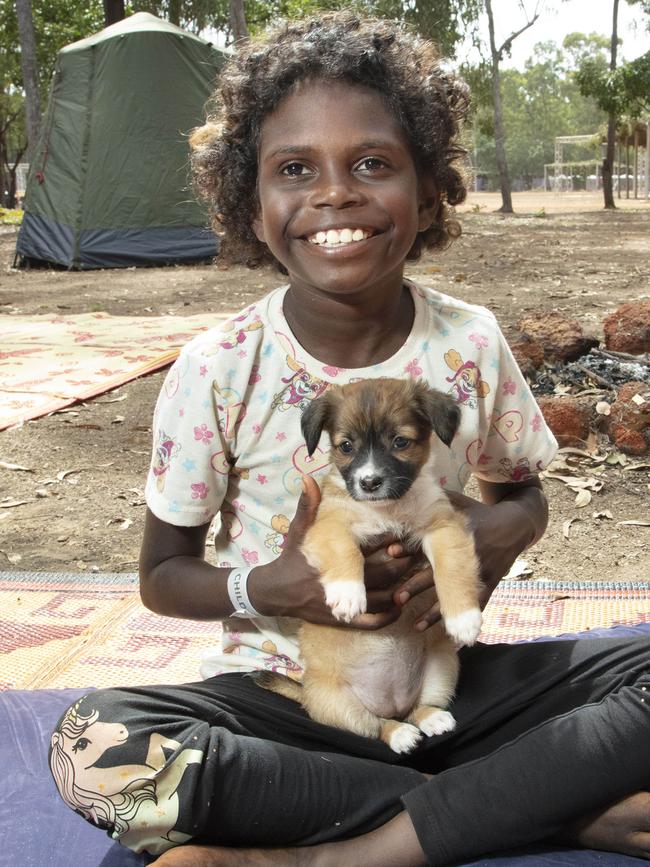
(464, 628)
(346, 599)
(438, 722)
(404, 738)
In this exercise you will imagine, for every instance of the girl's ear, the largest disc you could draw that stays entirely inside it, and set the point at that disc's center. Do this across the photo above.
(429, 202)
(257, 224)
(258, 229)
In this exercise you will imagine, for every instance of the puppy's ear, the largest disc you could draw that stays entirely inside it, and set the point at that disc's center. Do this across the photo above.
(441, 412)
(313, 420)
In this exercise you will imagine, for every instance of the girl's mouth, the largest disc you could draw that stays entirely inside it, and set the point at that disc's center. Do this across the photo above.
(339, 237)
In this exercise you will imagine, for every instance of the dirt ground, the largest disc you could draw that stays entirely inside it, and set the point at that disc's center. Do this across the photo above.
(558, 253)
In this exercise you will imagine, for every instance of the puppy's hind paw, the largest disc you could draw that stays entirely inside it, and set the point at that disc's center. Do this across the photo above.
(346, 599)
(464, 628)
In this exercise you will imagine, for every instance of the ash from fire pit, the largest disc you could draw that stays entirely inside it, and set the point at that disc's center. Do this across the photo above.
(608, 373)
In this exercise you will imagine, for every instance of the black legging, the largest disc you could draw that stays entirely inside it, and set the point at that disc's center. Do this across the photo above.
(546, 733)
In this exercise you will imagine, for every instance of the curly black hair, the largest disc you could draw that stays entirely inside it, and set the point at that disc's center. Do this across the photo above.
(429, 102)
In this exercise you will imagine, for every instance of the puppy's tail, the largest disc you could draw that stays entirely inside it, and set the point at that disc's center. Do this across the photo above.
(280, 684)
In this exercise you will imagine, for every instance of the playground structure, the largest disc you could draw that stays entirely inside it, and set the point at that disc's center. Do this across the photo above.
(631, 176)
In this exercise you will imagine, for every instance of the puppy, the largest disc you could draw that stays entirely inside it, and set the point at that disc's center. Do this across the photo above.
(393, 683)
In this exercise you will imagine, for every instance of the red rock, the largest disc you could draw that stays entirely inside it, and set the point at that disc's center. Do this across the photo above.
(568, 418)
(629, 422)
(528, 354)
(628, 328)
(560, 338)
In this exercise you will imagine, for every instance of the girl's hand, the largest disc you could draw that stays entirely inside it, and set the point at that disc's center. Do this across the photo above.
(290, 587)
(502, 530)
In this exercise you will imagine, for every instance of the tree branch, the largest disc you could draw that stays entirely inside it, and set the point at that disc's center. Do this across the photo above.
(508, 42)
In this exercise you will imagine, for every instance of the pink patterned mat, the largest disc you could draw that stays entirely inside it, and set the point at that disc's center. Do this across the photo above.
(79, 630)
(49, 362)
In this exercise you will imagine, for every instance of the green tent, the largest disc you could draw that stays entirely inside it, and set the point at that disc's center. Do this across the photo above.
(109, 181)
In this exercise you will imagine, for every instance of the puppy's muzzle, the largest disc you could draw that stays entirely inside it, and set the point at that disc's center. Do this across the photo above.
(370, 484)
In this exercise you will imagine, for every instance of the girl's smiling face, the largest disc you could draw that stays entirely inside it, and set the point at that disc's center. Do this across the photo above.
(340, 201)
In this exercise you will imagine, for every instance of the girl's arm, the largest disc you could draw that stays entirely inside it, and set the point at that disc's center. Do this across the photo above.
(176, 581)
(509, 518)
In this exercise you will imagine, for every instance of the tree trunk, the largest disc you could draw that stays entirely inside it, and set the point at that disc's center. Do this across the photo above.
(175, 12)
(499, 137)
(237, 20)
(608, 162)
(113, 11)
(29, 65)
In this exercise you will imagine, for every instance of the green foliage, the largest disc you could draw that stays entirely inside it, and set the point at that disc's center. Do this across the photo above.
(540, 102)
(624, 90)
(10, 217)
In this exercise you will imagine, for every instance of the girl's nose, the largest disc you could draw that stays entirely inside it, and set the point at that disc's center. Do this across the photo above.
(335, 190)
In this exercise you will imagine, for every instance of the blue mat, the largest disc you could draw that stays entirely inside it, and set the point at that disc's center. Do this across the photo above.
(38, 830)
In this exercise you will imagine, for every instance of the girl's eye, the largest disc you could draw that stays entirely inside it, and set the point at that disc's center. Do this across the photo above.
(345, 447)
(293, 170)
(371, 164)
(81, 744)
(400, 443)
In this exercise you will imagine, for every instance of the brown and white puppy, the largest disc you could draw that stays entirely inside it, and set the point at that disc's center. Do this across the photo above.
(394, 683)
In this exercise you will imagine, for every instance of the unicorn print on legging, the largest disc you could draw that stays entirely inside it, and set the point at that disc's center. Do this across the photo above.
(138, 803)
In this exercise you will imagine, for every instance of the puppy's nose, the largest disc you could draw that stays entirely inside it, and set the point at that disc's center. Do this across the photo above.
(370, 483)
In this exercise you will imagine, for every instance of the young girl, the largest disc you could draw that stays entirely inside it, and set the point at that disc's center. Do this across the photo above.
(333, 152)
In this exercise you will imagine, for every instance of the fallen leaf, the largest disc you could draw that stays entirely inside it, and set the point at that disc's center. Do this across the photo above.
(604, 514)
(634, 523)
(638, 400)
(571, 450)
(124, 523)
(603, 408)
(12, 558)
(118, 419)
(583, 498)
(644, 466)
(5, 466)
(616, 458)
(12, 503)
(64, 473)
(566, 527)
(113, 399)
(519, 568)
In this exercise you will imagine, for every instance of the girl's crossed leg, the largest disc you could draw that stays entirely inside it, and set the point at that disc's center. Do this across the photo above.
(548, 733)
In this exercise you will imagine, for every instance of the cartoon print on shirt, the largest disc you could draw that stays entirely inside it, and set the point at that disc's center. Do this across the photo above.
(166, 449)
(515, 472)
(232, 410)
(276, 541)
(232, 336)
(508, 425)
(139, 804)
(466, 380)
(301, 388)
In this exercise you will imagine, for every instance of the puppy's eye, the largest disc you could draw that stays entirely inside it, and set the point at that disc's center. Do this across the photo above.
(345, 447)
(400, 443)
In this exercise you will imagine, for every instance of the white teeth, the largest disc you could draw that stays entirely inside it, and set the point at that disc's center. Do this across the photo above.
(335, 237)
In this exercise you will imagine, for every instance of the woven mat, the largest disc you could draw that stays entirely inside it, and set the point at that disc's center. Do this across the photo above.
(49, 362)
(71, 630)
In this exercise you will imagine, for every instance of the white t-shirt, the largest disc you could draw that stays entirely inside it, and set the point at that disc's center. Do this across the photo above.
(227, 440)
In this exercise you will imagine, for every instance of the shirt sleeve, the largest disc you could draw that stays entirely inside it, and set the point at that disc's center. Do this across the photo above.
(188, 477)
(516, 442)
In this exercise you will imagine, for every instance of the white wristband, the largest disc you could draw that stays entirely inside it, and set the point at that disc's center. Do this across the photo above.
(238, 592)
